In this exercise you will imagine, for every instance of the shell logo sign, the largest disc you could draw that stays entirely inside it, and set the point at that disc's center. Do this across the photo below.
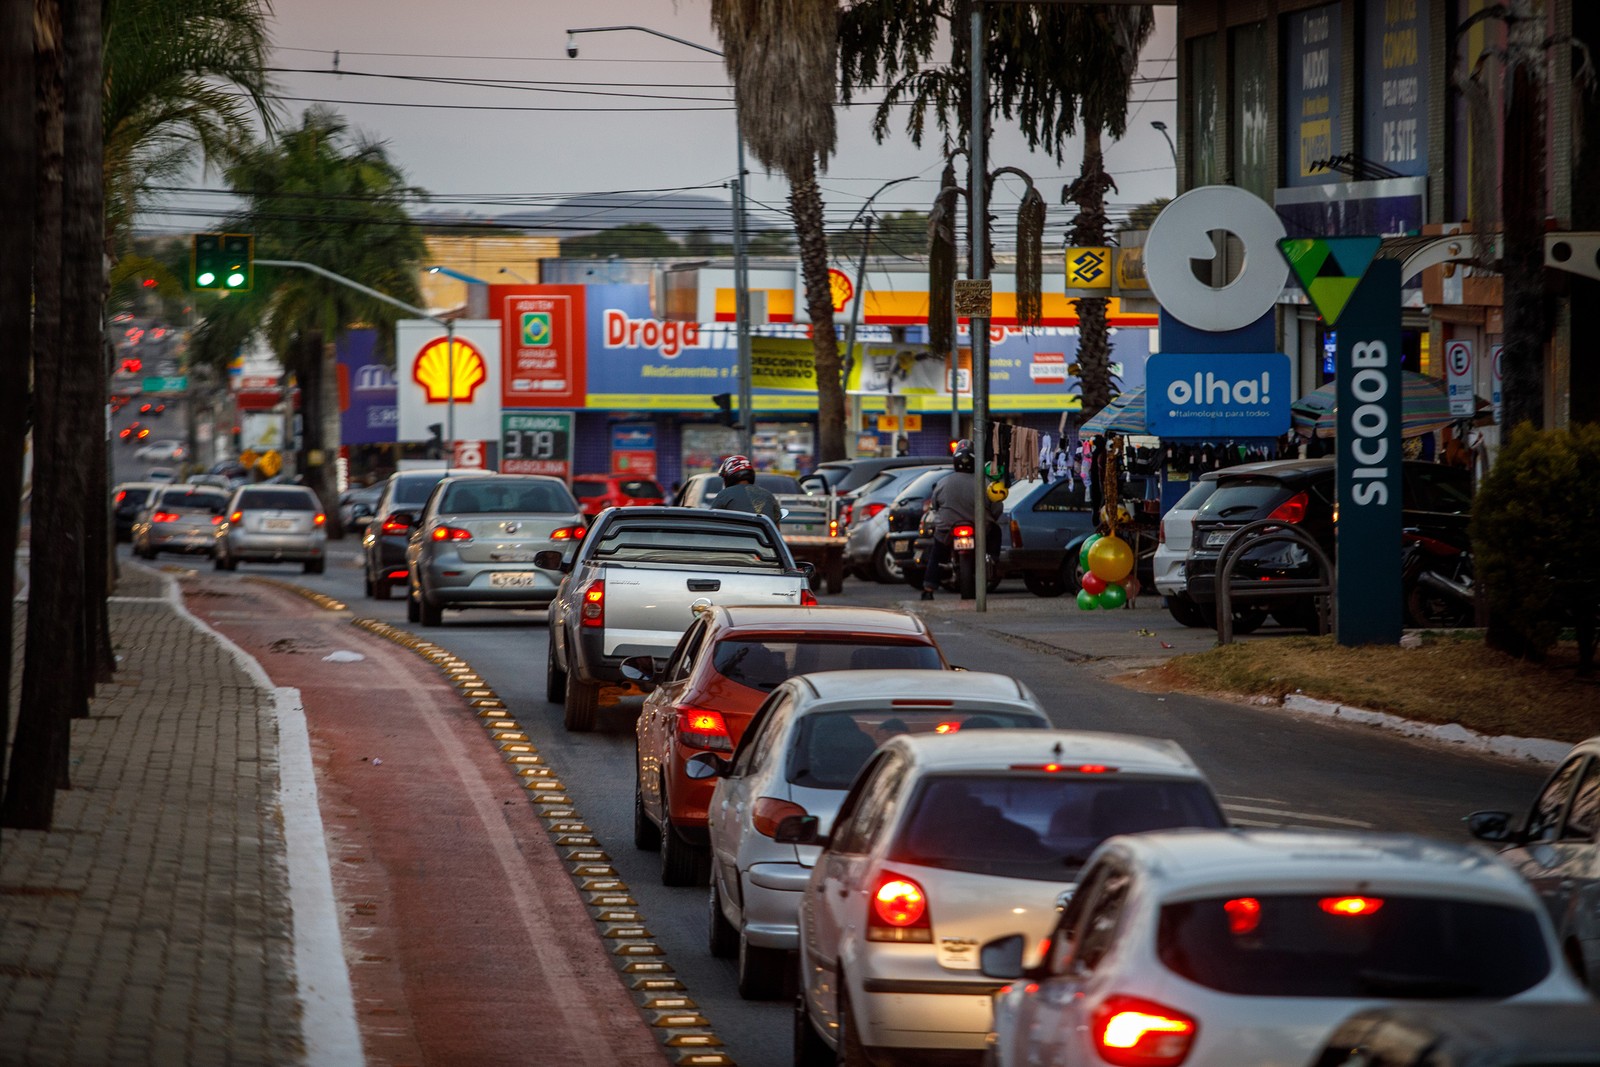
(840, 288)
(434, 369)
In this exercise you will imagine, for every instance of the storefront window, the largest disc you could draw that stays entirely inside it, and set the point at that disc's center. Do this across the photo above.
(1203, 115)
(784, 447)
(1252, 156)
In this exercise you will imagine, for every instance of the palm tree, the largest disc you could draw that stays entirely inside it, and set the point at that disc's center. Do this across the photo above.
(782, 56)
(324, 196)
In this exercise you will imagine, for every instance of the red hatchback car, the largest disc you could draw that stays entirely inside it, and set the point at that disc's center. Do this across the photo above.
(596, 492)
(729, 659)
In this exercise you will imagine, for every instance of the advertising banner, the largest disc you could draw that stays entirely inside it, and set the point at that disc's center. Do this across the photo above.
(429, 375)
(543, 335)
(536, 442)
(1216, 395)
(1395, 88)
(1310, 94)
(633, 449)
(368, 407)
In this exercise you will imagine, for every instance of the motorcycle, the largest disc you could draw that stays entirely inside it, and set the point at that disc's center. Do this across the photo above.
(959, 573)
(1437, 581)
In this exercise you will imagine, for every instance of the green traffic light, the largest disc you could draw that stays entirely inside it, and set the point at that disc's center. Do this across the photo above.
(235, 280)
(205, 278)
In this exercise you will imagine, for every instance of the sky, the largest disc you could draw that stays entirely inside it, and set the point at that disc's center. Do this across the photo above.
(597, 122)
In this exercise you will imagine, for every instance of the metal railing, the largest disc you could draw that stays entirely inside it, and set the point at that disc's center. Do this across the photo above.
(1254, 535)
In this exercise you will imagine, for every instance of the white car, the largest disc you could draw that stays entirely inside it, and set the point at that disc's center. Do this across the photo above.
(1249, 947)
(797, 757)
(945, 842)
(1177, 530)
(162, 451)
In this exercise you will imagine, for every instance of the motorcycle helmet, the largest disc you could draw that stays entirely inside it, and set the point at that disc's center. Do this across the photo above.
(736, 469)
(961, 456)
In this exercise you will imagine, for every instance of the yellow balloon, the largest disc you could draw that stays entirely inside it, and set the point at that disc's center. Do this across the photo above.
(1110, 558)
(997, 490)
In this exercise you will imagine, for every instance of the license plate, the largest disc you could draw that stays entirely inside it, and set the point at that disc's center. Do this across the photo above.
(901, 548)
(513, 580)
(965, 544)
(1218, 538)
(278, 524)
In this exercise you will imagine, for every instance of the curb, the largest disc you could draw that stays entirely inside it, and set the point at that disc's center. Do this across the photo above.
(1532, 749)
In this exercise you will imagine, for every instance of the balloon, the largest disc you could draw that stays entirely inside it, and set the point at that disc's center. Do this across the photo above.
(1087, 601)
(1111, 558)
(1083, 553)
(1131, 586)
(997, 490)
(1093, 584)
(1114, 597)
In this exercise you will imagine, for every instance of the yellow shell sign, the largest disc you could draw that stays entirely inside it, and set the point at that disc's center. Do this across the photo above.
(840, 288)
(434, 369)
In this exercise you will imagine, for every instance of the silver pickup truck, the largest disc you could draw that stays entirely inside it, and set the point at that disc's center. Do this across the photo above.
(813, 525)
(633, 585)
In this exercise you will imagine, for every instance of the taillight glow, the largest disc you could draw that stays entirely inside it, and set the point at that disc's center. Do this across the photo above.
(1056, 768)
(1130, 1032)
(237, 516)
(569, 533)
(704, 728)
(833, 527)
(450, 533)
(1244, 915)
(1351, 906)
(767, 812)
(947, 728)
(1161, 533)
(217, 520)
(593, 612)
(872, 509)
(920, 702)
(808, 599)
(1292, 510)
(899, 911)
(961, 531)
(164, 516)
(392, 527)
(319, 519)
(122, 494)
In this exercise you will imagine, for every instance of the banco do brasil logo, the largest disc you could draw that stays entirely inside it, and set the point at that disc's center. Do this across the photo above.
(536, 329)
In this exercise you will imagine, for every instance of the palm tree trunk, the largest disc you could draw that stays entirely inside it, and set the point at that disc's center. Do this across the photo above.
(1089, 229)
(1523, 209)
(805, 201)
(326, 481)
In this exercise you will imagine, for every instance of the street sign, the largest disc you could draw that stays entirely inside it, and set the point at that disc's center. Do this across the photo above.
(469, 455)
(974, 298)
(537, 443)
(167, 385)
(1458, 376)
(1494, 364)
(1089, 268)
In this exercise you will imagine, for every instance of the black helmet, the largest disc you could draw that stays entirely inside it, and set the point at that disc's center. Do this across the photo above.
(961, 456)
(737, 469)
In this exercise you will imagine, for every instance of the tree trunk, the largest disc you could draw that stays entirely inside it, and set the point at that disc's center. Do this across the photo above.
(100, 545)
(325, 478)
(1522, 206)
(805, 201)
(1089, 229)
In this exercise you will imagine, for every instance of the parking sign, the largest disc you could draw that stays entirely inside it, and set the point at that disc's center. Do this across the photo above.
(1458, 376)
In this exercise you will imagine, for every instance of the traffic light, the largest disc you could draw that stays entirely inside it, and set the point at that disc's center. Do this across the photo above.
(436, 440)
(724, 402)
(223, 261)
(132, 365)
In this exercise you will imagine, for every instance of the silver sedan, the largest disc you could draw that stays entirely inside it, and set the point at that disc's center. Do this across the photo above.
(473, 543)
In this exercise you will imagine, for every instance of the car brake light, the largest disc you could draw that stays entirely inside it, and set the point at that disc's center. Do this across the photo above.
(217, 520)
(1161, 533)
(704, 728)
(1057, 768)
(921, 702)
(873, 509)
(808, 599)
(767, 812)
(237, 516)
(319, 519)
(1244, 915)
(899, 911)
(833, 527)
(451, 533)
(121, 496)
(1351, 906)
(568, 533)
(1292, 510)
(593, 612)
(961, 531)
(164, 516)
(391, 527)
(1131, 1032)
(849, 513)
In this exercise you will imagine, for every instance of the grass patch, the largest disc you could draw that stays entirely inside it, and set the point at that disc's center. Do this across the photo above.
(1451, 678)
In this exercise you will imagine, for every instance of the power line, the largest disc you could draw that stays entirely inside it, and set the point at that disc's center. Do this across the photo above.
(485, 83)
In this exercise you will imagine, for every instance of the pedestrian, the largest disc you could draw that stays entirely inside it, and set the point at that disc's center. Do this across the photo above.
(952, 504)
(740, 492)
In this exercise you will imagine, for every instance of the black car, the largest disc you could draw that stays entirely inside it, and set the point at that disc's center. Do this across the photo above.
(905, 521)
(1302, 492)
(383, 546)
(845, 476)
(127, 500)
(1467, 1034)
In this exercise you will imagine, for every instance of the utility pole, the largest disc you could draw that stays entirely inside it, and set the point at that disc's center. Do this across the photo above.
(977, 198)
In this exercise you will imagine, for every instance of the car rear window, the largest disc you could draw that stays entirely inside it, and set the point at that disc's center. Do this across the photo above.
(765, 663)
(1197, 495)
(830, 747)
(1241, 498)
(196, 498)
(413, 490)
(1306, 945)
(1040, 825)
(587, 490)
(641, 488)
(133, 495)
(268, 500)
(505, 496)
(628, 542)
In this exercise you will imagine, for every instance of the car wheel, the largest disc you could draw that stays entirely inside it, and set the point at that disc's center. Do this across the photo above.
(1044, 583)
(835, 574)
(1184, 610)
(555, 679)
(413, 609)
(722, 939)
(218, 563)
(315, 566)
(431, 614)
(885, 566)
(682, 863)
(966, 576)
(761, 971)
(912, 575)
(228, 562)
(582, 703)
(1248, 620)
(370, 589)
(809, 1048)
(646, 834)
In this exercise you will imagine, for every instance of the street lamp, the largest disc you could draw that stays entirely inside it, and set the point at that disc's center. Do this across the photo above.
(457, 275)
(741, 268)
(1160, 126)
(450, 364)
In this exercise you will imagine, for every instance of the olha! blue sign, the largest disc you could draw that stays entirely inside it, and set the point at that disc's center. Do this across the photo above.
(1238, 395)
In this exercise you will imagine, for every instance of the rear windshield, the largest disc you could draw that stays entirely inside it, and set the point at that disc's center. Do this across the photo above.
(829, 748)
(765, 663)
(1197, 495)
(267, 500)
(1409, 948)
(1040, 826)
(209, 500)
(585, 490)
(641, 543)
(639, 487)
(503, 496)
(414, 489)
(133, 495)
(1241, 498)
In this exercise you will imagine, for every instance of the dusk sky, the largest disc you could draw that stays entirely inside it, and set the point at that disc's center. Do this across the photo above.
(592, 124)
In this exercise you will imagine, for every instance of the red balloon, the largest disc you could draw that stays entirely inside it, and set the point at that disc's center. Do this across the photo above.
(1093, 584)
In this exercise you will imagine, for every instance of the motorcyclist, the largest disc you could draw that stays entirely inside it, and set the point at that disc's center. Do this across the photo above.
(952, 504)
(741, 493)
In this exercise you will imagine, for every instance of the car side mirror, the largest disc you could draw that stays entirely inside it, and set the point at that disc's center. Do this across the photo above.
(360, 511)
(1492, 826)
(1002, 957)
(550, 560)
(704, 765)
(799, 830)
(641, 669)
(813, 485)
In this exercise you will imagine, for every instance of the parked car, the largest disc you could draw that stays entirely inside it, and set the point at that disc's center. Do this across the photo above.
(1301, 492)
(866, 519)
(356, 505)
(164, 450)
(164, 475)
(133, 433)
(272, 524)
(845, 476)
(1555, 848)
(634, 583)
(945, 842)
(1172, 550)
(179, 518)
(596, 492)
(812, 523)
(383, 543)
(798, 756)
(473, 543)
(216, 481)
(905, 521)
(1219, 949)
(127, 500)
(1470, 1034)
(1043, 528)
(727, 662)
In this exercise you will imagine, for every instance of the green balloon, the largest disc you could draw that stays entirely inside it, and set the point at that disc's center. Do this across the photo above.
(1087, 601)
(1114, 597)
(1083, 552)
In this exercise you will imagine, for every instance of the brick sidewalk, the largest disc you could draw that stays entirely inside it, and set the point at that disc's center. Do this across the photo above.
(152, 925)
